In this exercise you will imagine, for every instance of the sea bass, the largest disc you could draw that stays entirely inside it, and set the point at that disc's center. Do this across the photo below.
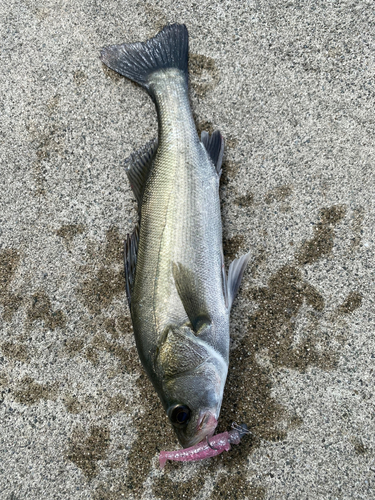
(178, 292)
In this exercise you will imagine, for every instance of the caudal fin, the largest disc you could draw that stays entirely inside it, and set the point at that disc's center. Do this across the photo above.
(137, 61)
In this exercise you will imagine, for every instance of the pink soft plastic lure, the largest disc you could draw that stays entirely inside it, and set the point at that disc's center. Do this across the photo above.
(205, 449)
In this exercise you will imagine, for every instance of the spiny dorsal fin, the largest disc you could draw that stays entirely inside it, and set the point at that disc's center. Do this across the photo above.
(130, 258)
(138, 168)
(214, 145)
(235, 273)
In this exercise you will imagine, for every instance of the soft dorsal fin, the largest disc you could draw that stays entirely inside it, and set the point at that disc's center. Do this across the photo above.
(130, 258)
(138, 168)
(214, 145)
(235, 273)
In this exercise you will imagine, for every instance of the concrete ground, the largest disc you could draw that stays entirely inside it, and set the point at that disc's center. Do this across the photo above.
(291, 87)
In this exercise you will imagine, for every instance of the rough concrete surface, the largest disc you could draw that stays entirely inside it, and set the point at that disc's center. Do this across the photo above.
(291, 86)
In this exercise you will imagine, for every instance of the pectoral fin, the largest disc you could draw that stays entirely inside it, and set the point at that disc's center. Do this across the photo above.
(191, 295)
(235, 273)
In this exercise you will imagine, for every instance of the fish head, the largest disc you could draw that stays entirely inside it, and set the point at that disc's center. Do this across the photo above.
(193, 376)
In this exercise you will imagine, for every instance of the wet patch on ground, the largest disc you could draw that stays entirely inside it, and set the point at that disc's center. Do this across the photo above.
(322, 243)
(30, 392)
(79, 77)
(41, 309)
(272, 327)
(47, 142)
(357, 227)
(105, 274)
(359, 447)
(68, 231)
(85, 451)
(246, 200)
(229, 172)
(350, 304)
(203, 72)
(233, 247)
(280, 193)
(9, 261)
(18, 352)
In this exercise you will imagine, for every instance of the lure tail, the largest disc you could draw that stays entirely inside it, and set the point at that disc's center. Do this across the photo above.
(138, 61)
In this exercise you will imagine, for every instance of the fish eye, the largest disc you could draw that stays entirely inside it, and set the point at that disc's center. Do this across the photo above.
(179, 415)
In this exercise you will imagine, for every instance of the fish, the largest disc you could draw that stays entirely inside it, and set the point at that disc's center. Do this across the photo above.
(177, 288)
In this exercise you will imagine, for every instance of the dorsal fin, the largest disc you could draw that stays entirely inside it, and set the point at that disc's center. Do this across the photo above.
(214, 145)
(138, 168)
(130, 259)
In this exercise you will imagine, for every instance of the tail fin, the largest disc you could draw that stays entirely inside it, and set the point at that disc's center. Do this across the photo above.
(137, 61)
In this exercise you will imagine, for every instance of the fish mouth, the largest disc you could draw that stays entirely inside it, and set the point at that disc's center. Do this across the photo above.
(208, 422)
(206, 426)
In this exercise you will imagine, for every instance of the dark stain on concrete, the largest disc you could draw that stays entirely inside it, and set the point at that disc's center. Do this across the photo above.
(359, 447)
(356, 225)
(98, 292)
(245, 201)
(118, 326)
(85, 452)
(259, 260)
(69, 231)
(229, 172)
(233, 247)
(114, 249)
(18, 352)
(203, 72)
(73, 346)
(30, 392)
(53, 103)
(272, 326)
(115, 404)
(79, 77)
(41, 309)
(237, 488)
(47, 142)
(100, 343)
(279, 194)
(72, 404)
(322, 243)
(350, 304)
(102, 285)
(9, 261)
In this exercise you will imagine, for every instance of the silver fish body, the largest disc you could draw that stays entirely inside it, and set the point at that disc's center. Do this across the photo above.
(177, 288)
